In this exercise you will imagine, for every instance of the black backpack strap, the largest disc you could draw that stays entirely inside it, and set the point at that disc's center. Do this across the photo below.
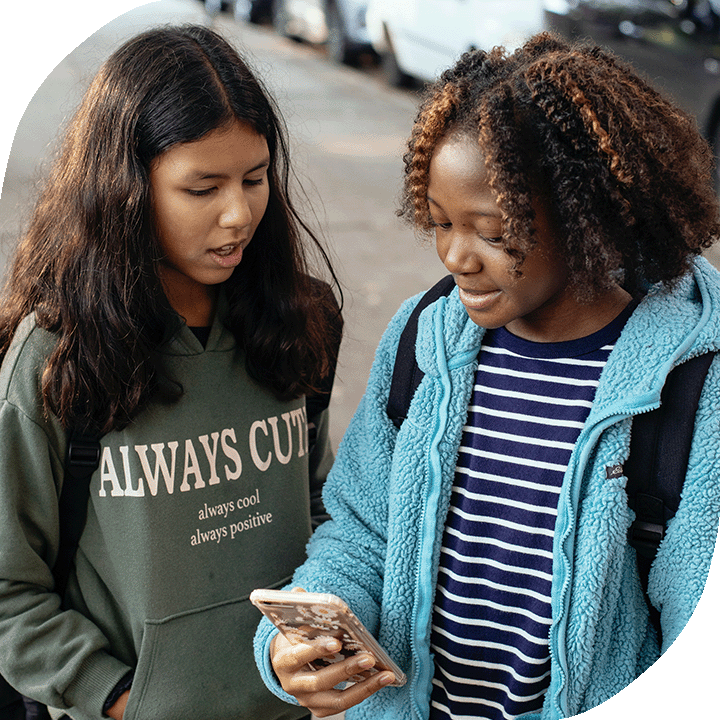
(83, 458)
(659, 451)
(406, 373)
(81, 461)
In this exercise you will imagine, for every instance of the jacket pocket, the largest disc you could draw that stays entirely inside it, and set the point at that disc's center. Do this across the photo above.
(199, 664)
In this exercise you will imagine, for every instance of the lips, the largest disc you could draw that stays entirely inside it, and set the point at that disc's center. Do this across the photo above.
(225, 250)
(478, 300)
(227, 256)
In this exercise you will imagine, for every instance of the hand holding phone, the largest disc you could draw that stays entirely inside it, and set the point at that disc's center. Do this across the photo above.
(321, 646)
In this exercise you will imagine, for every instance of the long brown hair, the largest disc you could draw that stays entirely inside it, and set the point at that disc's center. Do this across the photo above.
(87, 266)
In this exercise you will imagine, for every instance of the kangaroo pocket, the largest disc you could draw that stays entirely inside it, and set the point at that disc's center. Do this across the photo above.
(199, 664)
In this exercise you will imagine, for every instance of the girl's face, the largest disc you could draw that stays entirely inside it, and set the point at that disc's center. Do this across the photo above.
(539, 305)
(208, 198)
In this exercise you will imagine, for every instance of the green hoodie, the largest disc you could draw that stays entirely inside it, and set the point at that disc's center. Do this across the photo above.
(195, 504)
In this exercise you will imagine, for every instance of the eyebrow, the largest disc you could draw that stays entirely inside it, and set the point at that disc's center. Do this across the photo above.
(200, 175)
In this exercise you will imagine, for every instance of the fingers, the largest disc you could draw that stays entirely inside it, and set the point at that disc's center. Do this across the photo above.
(317, 689)
(288, 657)
(331, 702)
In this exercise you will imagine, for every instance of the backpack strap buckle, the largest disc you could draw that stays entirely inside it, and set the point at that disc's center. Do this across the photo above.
(645, 537)
(83, 456)
(648, 529)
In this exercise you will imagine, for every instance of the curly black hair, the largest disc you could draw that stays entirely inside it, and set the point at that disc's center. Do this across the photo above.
(627, 175)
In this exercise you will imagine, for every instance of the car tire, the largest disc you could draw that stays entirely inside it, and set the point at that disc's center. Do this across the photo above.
(340, 48)
(280, 18)
(394, 75)
(246, 11)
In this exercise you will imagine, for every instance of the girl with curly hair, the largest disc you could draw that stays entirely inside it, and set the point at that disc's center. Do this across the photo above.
(485, 540)
(161, 301)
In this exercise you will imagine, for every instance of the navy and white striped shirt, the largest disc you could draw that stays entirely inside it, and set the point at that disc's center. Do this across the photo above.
(492, 605)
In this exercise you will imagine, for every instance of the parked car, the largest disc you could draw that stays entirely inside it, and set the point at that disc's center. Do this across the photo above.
(416, 39)
(675, 43)
(338, 24)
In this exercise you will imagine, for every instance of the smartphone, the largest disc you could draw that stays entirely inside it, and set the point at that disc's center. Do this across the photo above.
(302, 616)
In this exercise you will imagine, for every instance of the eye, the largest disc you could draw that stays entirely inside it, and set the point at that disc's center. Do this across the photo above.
(491, 240)
(253, 183)
(200, 193)
(441, 225)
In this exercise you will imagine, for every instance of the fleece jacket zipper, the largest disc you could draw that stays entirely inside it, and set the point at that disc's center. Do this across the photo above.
(424, 580)
(564, 550)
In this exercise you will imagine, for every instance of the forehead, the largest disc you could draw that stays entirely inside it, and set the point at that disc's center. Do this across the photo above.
(234, 147)
(458, 176)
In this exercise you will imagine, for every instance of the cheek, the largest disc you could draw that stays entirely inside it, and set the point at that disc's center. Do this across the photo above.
(164, 227)
(535, 291)
(549, 275)
(171, 215)
(259, 206)
(179, 228)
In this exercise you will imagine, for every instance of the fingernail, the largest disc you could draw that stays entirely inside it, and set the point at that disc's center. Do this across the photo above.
(366, 662)
(387, 679)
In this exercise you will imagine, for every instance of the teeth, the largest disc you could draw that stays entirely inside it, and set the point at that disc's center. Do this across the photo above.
(225, 250)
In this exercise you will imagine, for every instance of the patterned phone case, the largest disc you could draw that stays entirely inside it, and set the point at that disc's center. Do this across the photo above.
(302, 616)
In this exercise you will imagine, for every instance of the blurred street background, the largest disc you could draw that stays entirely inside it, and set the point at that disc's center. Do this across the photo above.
(348, 126)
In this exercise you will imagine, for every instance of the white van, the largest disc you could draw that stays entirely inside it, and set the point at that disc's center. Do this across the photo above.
(420, 38)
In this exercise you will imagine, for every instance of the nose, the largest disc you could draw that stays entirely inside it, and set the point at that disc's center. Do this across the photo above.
(458, 252)
(236, 211)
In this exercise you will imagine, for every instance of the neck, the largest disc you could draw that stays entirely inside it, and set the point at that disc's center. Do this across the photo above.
(196, 304)
(573, 319)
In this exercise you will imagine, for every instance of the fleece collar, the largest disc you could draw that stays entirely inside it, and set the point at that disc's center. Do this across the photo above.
(667, 328)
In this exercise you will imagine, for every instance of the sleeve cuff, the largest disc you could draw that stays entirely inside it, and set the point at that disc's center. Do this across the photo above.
(94, 681)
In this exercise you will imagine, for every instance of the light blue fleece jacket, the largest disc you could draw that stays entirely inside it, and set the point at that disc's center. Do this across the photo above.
(389, 491)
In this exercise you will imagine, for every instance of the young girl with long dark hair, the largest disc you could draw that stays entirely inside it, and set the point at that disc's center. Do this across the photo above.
(162, 302)
(485, 541)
